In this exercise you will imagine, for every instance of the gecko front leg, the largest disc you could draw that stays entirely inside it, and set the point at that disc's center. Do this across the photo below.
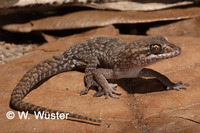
(91, 81)
(101, 75)
(163, 79)
(96, 77)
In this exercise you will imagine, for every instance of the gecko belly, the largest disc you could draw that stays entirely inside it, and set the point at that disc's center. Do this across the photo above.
(131, 73)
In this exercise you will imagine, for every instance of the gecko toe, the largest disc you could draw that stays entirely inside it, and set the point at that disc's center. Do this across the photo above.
(113, 96)
(98, 94)
(106, 96)
(110, 91)
(178, 86)
(83, 92)
(107, 93)
(116, 92)
(114, 86)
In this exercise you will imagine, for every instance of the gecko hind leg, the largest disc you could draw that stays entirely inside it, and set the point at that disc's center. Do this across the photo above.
(89, 83)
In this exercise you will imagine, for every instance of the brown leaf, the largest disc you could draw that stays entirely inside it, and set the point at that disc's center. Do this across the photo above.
(189, 27)
(139, 5)
(103, 4)
(159, 111)
(49, 38)
(83, 19)
(103, 31)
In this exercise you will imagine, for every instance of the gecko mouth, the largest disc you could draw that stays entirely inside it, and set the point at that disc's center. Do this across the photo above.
(165, 55)
(170, 55)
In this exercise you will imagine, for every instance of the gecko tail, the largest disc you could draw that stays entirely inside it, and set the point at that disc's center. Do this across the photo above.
(32, 78)
(41, 111)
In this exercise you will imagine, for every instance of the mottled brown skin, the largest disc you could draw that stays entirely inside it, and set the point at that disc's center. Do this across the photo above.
(102, 58)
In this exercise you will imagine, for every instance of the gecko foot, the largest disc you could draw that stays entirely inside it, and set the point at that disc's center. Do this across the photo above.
(178, 86)
(101, 93)
(110, 91)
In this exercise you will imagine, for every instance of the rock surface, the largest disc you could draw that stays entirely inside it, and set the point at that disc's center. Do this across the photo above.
(150, 109)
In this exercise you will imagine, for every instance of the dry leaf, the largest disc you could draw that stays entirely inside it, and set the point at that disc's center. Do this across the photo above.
(49, 38)
(189, 27)
(139, 6)
(83, 19)
(158, 111)
(104, 31)
(123, 5)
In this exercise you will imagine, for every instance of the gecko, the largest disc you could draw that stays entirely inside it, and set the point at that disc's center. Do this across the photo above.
(101, 58)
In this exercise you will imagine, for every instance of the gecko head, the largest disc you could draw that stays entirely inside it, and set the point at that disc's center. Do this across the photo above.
(160, 48)
(153, 49)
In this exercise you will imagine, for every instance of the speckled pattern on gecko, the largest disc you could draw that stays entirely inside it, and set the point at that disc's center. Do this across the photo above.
(102, 58)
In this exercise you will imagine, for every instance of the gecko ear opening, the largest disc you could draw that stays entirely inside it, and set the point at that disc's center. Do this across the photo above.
(155, 48)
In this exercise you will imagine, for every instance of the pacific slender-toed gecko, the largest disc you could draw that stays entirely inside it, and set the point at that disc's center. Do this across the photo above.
(102, 58)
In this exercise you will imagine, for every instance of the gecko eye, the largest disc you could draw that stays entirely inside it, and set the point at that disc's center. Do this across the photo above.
(155, 48)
